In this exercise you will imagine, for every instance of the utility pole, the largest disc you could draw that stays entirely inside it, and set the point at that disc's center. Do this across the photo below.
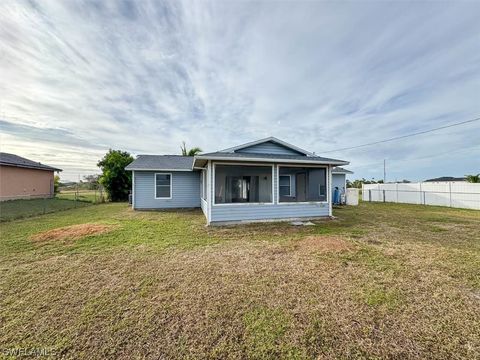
(384, 171)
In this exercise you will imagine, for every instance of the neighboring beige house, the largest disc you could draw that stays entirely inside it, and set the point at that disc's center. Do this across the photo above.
(22, 178)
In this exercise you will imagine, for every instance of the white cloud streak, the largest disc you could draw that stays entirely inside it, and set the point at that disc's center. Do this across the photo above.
(77, 78)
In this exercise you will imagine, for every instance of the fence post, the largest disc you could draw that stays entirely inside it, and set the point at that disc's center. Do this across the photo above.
(396, 192)
(369, 195)
(420, 191)
(384, 195)
(450, 192)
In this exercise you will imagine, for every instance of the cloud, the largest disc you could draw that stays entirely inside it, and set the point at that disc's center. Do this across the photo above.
(78, 78)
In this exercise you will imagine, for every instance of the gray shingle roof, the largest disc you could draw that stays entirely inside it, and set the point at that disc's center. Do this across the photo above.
(340, 170)
(18, 161)
(313, 159)
(161, 162)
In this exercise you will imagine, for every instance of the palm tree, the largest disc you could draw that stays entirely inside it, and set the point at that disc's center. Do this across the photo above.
(192, 152)
(473, 178)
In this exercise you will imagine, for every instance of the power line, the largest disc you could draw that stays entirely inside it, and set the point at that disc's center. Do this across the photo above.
(403, 136)
(422, 157)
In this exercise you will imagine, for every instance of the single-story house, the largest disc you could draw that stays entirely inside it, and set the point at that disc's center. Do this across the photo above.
(263, 180)
(22, 178)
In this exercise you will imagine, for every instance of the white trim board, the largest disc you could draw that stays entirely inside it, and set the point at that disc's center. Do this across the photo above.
(160, 170)
(272, 160)
(133, 189)
(209, 191)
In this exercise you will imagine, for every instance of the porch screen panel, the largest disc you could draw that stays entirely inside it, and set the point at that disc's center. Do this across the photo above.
(243, 184)
(308, 184)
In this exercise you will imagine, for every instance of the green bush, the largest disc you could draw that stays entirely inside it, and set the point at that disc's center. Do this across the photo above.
(115, 179)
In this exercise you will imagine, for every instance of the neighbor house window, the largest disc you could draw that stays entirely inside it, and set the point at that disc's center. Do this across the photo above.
(285, 183)
(163, 186)
(243, 184)
(306, 184)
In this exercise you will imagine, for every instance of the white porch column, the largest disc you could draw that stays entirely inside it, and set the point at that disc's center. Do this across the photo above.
(209, 191)
(329, 191)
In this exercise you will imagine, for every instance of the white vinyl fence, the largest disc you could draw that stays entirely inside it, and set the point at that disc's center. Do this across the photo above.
(452, 194)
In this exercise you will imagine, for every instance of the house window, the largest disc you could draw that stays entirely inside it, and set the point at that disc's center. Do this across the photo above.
(163, 186)
(306, 184)
(243, 184)
(285, 183)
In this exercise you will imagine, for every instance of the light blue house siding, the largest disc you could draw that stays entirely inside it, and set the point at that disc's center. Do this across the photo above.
(269, 148)
(250, 212)
(339, 181)
(185, 190)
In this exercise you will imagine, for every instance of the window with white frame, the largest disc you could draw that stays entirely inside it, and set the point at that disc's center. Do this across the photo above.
(285, 184)
(163, 186)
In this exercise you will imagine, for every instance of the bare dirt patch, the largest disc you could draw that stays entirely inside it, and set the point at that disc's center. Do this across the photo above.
(323, 244)
(72, 232)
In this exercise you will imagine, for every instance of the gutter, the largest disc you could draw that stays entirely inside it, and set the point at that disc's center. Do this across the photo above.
(279, 160)
(342, 172)
(47, 168)
(139, 169)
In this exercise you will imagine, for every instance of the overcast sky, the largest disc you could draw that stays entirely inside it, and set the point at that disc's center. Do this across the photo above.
(78, 78)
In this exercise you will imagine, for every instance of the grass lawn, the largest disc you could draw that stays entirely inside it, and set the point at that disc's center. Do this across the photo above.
(381, 281)
(17, 209)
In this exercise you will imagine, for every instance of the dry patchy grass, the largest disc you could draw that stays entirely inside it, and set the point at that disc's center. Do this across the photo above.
(376, 283)
(315, 243)
(72, 232)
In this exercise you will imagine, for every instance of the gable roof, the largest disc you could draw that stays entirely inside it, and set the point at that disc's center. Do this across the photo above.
(188, 163)
(162, 162)
(269, 139)
(340, 170)
(7, 159)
